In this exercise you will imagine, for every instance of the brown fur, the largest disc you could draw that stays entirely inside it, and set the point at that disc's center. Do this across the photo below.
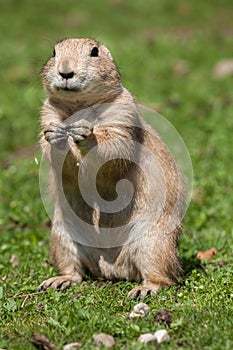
(152, 258)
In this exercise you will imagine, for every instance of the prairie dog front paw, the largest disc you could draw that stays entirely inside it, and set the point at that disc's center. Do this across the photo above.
(80, 130)
(56, 135)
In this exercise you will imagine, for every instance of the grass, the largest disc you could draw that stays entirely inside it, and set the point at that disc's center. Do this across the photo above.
(148, 41)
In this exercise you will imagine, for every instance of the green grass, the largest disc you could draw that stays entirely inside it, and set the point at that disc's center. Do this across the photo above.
(147, 39)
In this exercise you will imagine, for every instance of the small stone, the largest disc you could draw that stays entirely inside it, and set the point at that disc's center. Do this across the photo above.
(140, 310)
(161, 335)
(223, 68)
(181, 68)
(72, 346)
(14, 261)
(147, 338)
(105, 339)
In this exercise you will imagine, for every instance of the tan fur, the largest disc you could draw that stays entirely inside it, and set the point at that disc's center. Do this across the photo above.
(152, 258)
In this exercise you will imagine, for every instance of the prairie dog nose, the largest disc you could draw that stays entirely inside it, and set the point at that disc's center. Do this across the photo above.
(67, 75)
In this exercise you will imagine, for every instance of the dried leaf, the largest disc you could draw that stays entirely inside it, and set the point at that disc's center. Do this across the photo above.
(24, 302)
(40, 341)
(39, 307)
(105, 339)
(163, 317)
(72, 346)
(75, 296)
(181, 68)
(207, 255)
(140, 310)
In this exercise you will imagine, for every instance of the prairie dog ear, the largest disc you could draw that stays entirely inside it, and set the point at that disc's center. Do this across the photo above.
(106, 51)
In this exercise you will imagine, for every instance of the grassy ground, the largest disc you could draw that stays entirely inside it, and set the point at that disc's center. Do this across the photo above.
(166, 52)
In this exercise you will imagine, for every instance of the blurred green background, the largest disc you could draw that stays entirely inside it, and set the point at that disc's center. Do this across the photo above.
(167, 52)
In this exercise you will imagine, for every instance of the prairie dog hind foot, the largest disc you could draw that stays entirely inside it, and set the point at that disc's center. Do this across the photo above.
(60, 282)
(149, 288)
(144, 290)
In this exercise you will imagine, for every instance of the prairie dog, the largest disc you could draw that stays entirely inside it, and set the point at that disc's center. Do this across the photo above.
(87, 109)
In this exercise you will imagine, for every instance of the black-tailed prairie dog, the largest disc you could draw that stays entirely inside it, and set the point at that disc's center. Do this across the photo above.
(89, 120)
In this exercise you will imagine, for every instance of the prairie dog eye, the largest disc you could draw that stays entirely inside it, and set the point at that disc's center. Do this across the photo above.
(95, 52)
(54, 53)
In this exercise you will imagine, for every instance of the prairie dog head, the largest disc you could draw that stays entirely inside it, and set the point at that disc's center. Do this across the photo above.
(79, 69)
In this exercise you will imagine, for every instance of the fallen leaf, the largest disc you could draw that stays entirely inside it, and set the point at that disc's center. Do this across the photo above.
(207, 255)
(105, 339)
(140, 310)
(14, 261)
(39, 307)
(72, 346)
(42, 342)
(75, 296)
(163, 317)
